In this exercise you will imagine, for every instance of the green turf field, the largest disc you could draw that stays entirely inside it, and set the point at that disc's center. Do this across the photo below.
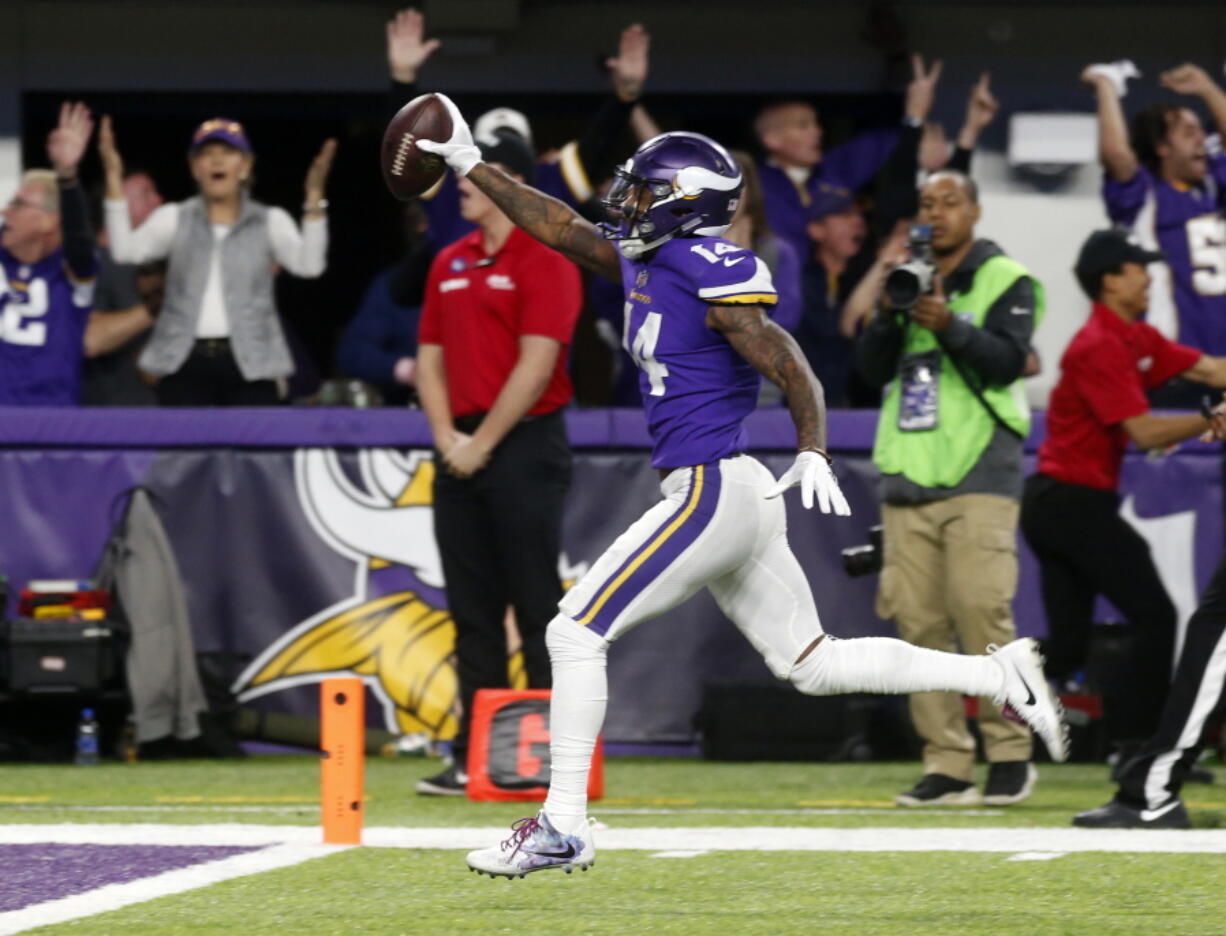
(392, 891)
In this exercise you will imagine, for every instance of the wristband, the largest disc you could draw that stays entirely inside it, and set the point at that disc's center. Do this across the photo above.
(1206, 408)
(821, 452)
(321, 205)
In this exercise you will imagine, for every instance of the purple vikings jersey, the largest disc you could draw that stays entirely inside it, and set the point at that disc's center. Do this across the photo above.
(696, 389)
(1187, 300)
(42, 327)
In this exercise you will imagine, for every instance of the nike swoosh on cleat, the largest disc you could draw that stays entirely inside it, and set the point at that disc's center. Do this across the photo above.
(569, 853)
(1152, 815)
(1029, 692)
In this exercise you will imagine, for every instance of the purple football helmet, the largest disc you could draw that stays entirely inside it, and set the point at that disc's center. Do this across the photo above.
(675, 184)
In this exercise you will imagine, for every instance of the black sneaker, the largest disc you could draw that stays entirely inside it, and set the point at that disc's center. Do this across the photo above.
(1117, 815)
(451, 782)
(1009, 782)
(937, 789)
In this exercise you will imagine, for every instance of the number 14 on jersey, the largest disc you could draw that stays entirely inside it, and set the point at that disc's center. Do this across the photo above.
(642, 347)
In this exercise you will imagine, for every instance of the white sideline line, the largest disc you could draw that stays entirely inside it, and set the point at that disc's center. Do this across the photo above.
(716, 839)
(45, 807)
(115, 896)
(1035, 856)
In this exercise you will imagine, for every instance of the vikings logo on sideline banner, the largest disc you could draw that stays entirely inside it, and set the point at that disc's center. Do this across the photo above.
(394, 631)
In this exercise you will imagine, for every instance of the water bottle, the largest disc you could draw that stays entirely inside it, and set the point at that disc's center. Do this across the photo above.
(87, 739)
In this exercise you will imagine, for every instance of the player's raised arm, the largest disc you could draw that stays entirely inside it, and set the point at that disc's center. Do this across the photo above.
(776, 356)
(550, 221)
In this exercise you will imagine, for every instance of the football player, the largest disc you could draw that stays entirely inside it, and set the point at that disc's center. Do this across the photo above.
(696, 327)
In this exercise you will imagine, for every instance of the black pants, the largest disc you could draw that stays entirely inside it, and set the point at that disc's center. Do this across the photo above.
(1086, 549)
(210, 377)
(499, 535)
(1199, 689)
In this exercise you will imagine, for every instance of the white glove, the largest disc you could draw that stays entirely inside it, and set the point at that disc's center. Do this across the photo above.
(812, 472)
(459, 152)
(1117, 73)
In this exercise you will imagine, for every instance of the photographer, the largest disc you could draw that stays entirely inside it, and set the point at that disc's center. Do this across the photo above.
(951, 337)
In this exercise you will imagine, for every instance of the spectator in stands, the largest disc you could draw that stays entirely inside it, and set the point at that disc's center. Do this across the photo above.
(796, 170)
(380, 344)
(949, 448)
(47, 268)
(568, 175)
(898, 202)
(499, 314)
(837, 231)
(1070, 508)
(750, 229)
(113, 379)
(1166, 187)
(218, 340)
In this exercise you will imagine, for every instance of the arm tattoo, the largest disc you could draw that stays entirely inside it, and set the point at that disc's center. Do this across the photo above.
(550, 221)
(776, 356)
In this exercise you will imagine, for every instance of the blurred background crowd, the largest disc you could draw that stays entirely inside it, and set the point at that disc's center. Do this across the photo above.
(330, 314)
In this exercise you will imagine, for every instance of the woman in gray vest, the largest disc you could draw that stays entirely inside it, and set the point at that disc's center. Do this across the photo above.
(218, 340)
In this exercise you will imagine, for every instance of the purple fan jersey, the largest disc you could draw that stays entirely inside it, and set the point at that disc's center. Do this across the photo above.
(847, 166)
(696, 389)
(1187, 300)
(42, 327)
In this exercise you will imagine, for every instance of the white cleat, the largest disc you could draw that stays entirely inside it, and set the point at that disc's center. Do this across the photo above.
(535, 845)
(1028, 693)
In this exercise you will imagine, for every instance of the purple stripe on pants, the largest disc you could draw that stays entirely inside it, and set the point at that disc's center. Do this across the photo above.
(665, 554)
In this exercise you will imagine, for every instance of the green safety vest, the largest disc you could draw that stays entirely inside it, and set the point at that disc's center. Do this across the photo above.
(944, 455)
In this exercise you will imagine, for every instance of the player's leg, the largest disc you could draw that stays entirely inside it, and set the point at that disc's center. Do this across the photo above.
(662, 559)
(769, 600)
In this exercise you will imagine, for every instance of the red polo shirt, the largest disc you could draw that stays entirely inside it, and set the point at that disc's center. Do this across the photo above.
(1104, 374)
(477, 307)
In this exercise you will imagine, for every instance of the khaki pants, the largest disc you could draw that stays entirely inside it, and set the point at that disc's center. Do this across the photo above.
(948, 582)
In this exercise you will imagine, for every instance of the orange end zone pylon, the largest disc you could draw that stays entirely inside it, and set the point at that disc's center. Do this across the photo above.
(342, 714)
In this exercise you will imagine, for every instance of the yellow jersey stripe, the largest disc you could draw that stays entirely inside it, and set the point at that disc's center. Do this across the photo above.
(695, 494)
(746, 299)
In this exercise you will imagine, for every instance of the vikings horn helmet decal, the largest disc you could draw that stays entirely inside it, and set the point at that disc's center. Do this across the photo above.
(393, 630)
(675, 184)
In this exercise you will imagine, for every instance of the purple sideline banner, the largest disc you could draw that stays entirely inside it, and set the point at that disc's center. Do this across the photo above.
(304, 538)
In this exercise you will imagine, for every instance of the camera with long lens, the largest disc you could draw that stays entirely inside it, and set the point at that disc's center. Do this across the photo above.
(866, 559)
(908, 281)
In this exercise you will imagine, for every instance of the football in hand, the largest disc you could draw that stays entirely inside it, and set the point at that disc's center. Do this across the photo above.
(407, 170)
